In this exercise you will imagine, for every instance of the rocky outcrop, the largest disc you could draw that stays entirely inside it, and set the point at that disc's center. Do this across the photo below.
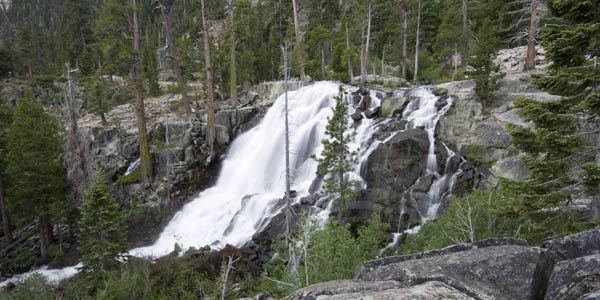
(497, 268)
(498, 272)
(563, 249)
(512, 60)
(567, 279)
(378, 290)
(389, 171)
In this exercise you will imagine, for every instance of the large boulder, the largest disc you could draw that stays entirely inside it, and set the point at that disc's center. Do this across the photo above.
(496, 272)
(378, 290)
(561, 249)
(565, 281)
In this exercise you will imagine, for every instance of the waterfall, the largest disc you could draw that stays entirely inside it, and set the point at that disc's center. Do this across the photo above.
(252, 182)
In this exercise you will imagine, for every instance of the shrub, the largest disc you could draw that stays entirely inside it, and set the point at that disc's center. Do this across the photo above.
(477, 216)
(35, 287)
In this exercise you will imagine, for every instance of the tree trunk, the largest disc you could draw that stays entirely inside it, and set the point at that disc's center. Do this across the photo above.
(44, 238)
(404, 38)
(417, 42)
(232, 64)
(323, 61)
(350, 67)
(365, 52)
(288, 211)
(465, 34)
(298, 46)
(210, 94)
(383, 62)
(530, 57)
(174, 55)
(4, 214)
(145, 167)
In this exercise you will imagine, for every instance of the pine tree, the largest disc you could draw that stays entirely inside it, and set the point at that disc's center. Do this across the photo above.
(109, 30)
(556, 149)
(487, 43)
(102, 237)
(150, 70)
(35, 175)
(337, 159)
(5, 120)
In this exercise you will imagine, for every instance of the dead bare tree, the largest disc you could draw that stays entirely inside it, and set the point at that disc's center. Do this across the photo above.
(76, 161)
(225, 269)
(465, 230)
(299, 46)
(232, 62)
(417, 42)
(404, 37)
(350, 67)
(465, 34)
(364, 60)
(288, 209)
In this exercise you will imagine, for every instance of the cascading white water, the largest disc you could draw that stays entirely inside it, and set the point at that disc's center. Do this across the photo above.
(422, 112)
(252, 178)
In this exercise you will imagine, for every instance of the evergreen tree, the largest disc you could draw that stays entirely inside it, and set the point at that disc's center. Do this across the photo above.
(109, 30)
(337, 159)
(102, 237)
(150, 70)
(556, 149)
(487, 43)
(36, 186)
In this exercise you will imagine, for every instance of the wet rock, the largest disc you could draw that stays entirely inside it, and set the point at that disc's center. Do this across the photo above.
(372, 112)
(389, 171)
(496, 272)
(357, 116)
(393, 106)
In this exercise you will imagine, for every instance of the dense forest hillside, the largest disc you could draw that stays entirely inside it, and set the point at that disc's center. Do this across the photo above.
(197, 149)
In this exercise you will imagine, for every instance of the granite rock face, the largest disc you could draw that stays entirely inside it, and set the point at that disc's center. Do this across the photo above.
(499, 272)
(495, 268)
(574, 246)
(378, 290)
(574, 278)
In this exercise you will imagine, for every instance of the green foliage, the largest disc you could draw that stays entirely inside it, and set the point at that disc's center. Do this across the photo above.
(337, 159)
(487, 43)
(591, 178)
(34, 172)
(34, 287)
(102, 237)
(150, 71)
(480, 215)
(109, 30)
(101, 95)
(332, 253)
(550, 148)
(131, 178)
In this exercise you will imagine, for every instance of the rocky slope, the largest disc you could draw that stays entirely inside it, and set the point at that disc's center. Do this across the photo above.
(565, 268)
